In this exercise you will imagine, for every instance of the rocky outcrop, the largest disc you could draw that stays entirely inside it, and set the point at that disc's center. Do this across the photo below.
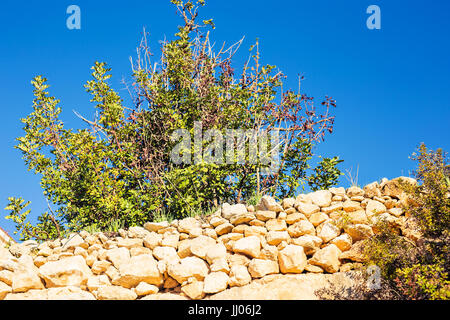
(272, 250)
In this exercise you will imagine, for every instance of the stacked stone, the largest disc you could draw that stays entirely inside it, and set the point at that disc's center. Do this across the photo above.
(319, 232)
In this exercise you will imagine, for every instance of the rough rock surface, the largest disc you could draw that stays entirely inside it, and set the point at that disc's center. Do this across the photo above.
(285, 287)
(272, 250)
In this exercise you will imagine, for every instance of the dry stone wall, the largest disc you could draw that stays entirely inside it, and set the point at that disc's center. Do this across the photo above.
(200, 257)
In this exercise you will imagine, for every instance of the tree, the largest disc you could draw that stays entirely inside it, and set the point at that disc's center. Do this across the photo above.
(120, 168)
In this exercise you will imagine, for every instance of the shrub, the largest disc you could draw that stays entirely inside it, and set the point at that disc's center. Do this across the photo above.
(326, 174)
(120, 167)
(423, 282)
(419, 270)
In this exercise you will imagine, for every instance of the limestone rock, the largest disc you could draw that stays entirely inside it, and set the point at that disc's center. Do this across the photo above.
(68, 293)
(374, 208)
(350, 206)
(137, 232)
(321, 198)
(230, 210)
(397, 212)
(343, 242)
(237, 259)
(115, 293)
(313, 268)
(292, 259)
(340, 191)
(142, 268)
(328, 232)
(276, 237)
(288, 203)
(164, 296)
(168, 254)
(4, 290)
(250, 246)
(216, 252)
(302, 198)
(25, 276)
(187, 225)
(152, 240)
(129, 242)
(258, 268)
(239, 276)
(200, 245)
(358, 216)
(301, 228)
(294, 217)
(224, 228)
(393, 187)
(241, 218)
(317, 218)
(372, 190)
(71, 271)
(215, 221)
(118, 256)
(355, 191)
(276, 225)
(270, 204)
(265, 215)
(75, 241)
(334, 207)
(33, 294)
(95, 282)
(307, 208)
(287, 287)
(358, 231)
(19, 249)
(156, 226)
(101, 266)
(220, 265)
(188, 267)
(137, 251)
(215, 282)
(309, 243)
(6, 277)
(254, 231)
(5, 254)
(194, 290)
(144, 288)
(356, 252)
(184, 248)
(327, 258)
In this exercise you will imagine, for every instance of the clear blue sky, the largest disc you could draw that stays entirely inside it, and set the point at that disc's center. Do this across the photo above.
(391, 85)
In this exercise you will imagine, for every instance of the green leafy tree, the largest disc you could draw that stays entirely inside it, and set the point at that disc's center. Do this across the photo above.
(119, 170)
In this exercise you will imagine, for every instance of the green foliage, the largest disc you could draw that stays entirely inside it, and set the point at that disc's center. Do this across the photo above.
(326, 174)
(424, 282)
(431, 199)
(343, 221)
(388, 250)
(254, 200)
(419, 270)
(119, 169)
(46, 228)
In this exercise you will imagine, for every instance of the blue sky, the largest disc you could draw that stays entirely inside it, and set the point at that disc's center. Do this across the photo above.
(391, 85)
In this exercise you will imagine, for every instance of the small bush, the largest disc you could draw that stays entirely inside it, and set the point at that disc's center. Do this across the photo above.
(419, 270)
